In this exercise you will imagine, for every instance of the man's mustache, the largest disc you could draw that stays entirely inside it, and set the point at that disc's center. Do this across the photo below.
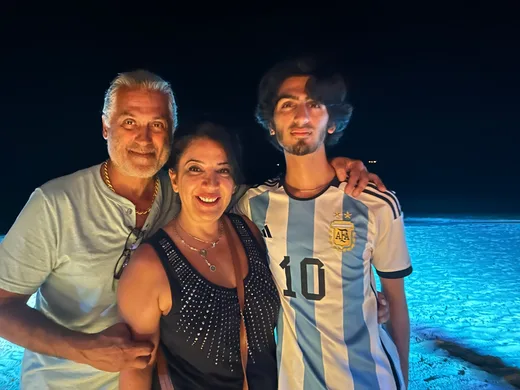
(295, 126)
(146, 150)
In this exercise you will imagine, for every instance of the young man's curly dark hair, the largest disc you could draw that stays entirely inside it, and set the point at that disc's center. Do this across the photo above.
(324, 86)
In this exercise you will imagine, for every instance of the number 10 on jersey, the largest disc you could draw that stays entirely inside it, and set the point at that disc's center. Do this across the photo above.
(305, 266)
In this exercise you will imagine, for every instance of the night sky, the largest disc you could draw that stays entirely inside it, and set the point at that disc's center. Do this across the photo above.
(434, 90)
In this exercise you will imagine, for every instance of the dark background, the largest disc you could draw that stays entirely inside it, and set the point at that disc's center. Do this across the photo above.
(434, 89)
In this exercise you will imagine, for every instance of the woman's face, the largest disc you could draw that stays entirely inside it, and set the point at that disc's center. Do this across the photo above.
(203, 180)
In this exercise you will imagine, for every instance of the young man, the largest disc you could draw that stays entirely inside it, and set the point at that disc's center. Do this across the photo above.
(75, 234)
(323, 243)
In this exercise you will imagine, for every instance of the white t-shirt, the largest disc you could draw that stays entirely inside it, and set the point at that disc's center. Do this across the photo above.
(64, 246)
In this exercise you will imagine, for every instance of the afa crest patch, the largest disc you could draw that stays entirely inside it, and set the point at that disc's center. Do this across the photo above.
(342, 232)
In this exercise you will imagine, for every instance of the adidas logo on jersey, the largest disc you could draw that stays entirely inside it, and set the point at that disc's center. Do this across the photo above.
(266, 232)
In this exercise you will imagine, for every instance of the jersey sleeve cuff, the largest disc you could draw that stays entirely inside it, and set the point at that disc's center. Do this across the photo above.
(395, 274)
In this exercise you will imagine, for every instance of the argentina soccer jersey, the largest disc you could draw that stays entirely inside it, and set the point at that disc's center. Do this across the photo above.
(323, 251)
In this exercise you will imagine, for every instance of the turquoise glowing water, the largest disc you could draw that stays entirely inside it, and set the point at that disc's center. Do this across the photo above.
(464, 289)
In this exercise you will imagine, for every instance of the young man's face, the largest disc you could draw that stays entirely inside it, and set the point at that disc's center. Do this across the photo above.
(300, 123)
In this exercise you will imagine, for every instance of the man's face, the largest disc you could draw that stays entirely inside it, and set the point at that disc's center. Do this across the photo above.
(300, 123)
(138, 132)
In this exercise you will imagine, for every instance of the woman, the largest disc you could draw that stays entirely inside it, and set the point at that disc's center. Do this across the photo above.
(180, 289)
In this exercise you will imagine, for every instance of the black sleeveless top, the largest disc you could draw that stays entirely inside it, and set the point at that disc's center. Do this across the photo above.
(200, 337)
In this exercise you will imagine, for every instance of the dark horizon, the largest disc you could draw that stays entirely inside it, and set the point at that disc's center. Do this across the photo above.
(432, 96)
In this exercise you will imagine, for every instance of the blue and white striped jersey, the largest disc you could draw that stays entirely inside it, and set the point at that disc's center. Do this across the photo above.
(322, 252)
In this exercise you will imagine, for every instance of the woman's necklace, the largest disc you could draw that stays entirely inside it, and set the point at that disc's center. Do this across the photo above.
(203, 252)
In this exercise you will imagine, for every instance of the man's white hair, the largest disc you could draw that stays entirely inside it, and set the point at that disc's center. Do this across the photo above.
(140, 79)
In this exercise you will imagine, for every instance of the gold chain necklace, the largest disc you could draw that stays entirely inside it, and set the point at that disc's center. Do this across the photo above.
(204, 251)
(109, 185)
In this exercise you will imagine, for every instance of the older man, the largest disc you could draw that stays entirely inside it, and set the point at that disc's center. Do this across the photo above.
(74, 237)
(65, 243)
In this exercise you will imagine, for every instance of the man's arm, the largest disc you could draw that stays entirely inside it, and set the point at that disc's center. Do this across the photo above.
(353, 170)
(27, 257)
(30, 329)
(392, 262)
(142, 296)
(357, 174)
(109, 350)
(399, 324)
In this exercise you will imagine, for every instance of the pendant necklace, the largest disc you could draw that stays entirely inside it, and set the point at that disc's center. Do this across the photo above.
(203, 252)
